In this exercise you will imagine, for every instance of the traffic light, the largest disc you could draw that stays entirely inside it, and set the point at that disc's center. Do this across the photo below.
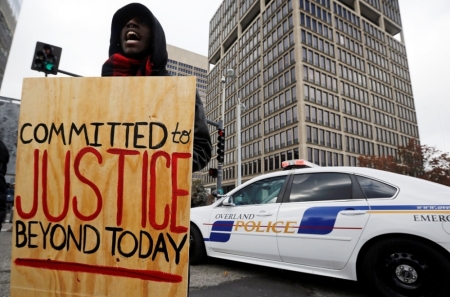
(46, 58)
(220, 145)
(212, 172)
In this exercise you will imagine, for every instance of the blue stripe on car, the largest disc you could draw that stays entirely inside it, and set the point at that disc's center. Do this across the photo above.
(222, 226)
(321, 220)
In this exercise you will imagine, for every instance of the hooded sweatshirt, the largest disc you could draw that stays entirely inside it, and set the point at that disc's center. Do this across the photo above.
(156, 66)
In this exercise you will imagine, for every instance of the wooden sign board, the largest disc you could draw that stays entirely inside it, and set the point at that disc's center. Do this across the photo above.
(103, 187)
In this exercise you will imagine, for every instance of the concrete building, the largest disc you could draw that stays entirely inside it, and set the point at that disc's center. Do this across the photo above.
(9, 13)
(322, 80)
(183, 62)
(9, 119)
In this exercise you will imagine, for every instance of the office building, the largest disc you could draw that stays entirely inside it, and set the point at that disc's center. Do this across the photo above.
(322, 80)
(185, 63)
(9, 13)
(9, 117)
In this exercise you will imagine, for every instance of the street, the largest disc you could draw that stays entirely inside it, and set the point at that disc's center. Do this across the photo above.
(220, 278)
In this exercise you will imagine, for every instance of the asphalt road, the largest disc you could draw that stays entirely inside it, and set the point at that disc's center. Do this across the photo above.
(220, 278)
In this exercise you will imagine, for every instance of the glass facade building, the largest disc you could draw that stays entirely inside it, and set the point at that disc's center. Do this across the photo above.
(322, 80)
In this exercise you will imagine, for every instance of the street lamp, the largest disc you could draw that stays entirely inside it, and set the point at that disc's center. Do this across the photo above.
(240, 107)
(230, 73)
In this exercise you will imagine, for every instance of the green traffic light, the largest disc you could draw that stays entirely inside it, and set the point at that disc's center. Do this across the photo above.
(49, 66)
(46, 58)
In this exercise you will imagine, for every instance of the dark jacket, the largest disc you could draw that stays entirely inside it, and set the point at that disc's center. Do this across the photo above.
(4, 159)
(158, 57)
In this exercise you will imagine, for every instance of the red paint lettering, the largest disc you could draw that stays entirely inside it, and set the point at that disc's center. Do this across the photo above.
(144, 190)
(65, 210)
(120, 176)
(84, 180)
(176, 193)
(34, 208)
(152, 208)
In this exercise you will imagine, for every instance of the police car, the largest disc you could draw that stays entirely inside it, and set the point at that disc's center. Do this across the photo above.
(388, 230)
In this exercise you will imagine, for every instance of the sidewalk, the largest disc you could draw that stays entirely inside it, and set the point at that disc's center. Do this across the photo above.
(5, 260)
(7, 223)
(6, 226)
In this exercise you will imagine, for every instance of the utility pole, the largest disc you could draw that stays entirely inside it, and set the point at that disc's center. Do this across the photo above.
(221, 157)
(240, 107)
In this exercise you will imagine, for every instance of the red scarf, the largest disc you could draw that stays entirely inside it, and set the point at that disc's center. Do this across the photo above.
(119, 65)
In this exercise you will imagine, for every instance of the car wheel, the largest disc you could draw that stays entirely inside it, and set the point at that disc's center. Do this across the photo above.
(197, 252)
(406, 268)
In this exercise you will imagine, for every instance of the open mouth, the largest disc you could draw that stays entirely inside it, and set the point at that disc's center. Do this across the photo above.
(132, 36)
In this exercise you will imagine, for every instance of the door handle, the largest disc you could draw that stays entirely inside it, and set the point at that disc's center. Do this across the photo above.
(349, 212)
(264, 214)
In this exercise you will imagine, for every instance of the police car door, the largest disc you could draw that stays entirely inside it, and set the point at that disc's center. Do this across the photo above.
(329, 212)
(246, 229)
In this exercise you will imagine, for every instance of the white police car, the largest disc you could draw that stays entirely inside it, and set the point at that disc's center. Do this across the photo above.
(388, 230)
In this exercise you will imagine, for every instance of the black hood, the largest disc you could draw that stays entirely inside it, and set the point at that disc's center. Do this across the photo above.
(157, 49)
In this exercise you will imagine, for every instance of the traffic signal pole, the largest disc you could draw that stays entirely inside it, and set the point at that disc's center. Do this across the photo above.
(218, 125)
(220, 167)
(221, 132)
(68, 73)
(222, 118)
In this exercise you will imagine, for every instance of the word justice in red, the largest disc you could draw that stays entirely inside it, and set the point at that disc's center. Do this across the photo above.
(148, 189)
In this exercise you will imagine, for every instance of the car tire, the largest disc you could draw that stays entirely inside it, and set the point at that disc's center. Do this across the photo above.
(405, 268)
(197, 251)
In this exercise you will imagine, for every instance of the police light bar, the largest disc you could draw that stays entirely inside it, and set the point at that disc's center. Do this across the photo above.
(296, 164)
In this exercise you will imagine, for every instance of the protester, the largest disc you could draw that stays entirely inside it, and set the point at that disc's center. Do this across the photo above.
(4, 159)
(138, 48)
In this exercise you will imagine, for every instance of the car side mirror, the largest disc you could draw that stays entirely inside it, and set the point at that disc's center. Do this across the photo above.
(228, 202)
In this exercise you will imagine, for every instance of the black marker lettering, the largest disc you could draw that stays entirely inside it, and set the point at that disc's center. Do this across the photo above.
(137, 135)
(53, 129)
(95, 143)
(112, 134)
(127, 132)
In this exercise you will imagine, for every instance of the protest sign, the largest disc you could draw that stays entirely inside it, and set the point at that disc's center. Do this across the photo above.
(103, 180)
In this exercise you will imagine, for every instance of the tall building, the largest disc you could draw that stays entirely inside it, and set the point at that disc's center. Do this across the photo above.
(9, 119)
(9, 13)
(185, 63)
(322, 80)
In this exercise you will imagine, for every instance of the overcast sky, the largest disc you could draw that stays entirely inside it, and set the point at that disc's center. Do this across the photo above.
(82, 28)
